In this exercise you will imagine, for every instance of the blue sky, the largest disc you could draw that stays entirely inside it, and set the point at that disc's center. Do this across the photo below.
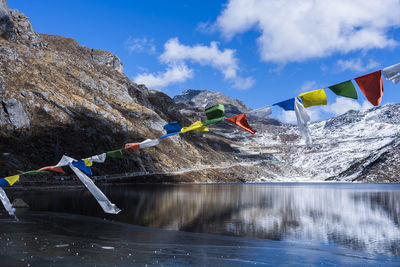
(261, 52)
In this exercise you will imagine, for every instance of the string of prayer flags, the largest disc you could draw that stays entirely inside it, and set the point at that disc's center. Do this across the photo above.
(115, 154)
(132, 146)
(149, 143)
(302, 121)
(214, 114)
(260, 112)
(53, 168)
(80, 164)
(287, 104)
(241, 121)
(6, 203)
(313, 98)
(197, 126)
(372, 87)
(98, 158)
(171, 128)
(345, 89)
(392, 73)
(9, 181)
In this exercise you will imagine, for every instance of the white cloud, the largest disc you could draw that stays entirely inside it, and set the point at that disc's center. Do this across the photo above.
(356, 64)
(175, 73)
(297, 30)
(224, 61)
(342, 105)
(177, 54)
(140, 45)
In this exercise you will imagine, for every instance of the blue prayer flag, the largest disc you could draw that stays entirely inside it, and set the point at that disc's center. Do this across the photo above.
(3, 182)
(171, 128)
(80, 164)
(287, 104)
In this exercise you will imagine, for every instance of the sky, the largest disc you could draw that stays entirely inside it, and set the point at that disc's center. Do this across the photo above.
(259, 51)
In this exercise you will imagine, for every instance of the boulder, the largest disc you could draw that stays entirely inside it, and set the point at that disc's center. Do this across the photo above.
(16, 114)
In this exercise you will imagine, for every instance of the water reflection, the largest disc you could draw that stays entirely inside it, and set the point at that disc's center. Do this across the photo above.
(361, 217)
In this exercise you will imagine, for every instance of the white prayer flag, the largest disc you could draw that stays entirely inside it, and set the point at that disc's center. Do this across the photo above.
(392, 73)
(98, 158)
(149, 143)
(6, 202)
(302, 121)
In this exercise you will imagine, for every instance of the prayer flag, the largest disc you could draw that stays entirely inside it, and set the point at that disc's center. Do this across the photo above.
(115, 154)
(287, 104)
(80, 164)
(149, 143)
(313, 98)
(88, 162)
(9, 181)
(34, 172)
(53, 168)
(197, 126)
(392, 73)
(214, 114)
(12, 179)
(302, 121)
(345, 89)
(98, 158)
(172, 128)
(103, 201)
(241, 121)
(132, 146)
(6, 202)
(372, 87)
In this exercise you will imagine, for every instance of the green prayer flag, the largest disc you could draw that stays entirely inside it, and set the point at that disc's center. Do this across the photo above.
(215, 114)
(115, 154)
(207, 122)
(34, 172)
(345, 89)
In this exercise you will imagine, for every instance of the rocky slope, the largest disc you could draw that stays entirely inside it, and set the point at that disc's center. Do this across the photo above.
(58, 97)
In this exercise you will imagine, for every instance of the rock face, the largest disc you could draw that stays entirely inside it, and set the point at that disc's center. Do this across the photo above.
(58, 97)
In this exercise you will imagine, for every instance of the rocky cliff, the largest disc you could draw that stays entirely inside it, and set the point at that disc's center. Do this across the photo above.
(58, 97)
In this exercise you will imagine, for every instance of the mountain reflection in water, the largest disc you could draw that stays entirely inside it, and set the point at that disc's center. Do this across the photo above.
(363, 217)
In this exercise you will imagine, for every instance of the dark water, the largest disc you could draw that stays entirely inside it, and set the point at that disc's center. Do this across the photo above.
(219, 224)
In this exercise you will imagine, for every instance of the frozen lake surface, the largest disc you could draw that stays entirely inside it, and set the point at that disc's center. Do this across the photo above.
(213, 224)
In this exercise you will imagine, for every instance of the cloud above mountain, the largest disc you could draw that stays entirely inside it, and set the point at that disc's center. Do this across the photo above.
(177, 57)
(298, 30)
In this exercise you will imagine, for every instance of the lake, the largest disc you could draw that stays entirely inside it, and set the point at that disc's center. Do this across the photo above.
(207, 224)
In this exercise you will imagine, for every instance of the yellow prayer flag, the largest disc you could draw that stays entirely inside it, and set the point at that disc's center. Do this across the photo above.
(12, 179)
(197, 126)
(88, 162)
(313, 98)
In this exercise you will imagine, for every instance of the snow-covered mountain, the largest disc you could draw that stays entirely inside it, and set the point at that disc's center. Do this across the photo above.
(356, 146)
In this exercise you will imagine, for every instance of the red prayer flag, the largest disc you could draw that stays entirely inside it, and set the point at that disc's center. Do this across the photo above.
(53, 168)
(241, 121)
(372, 87)
(133, 146)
